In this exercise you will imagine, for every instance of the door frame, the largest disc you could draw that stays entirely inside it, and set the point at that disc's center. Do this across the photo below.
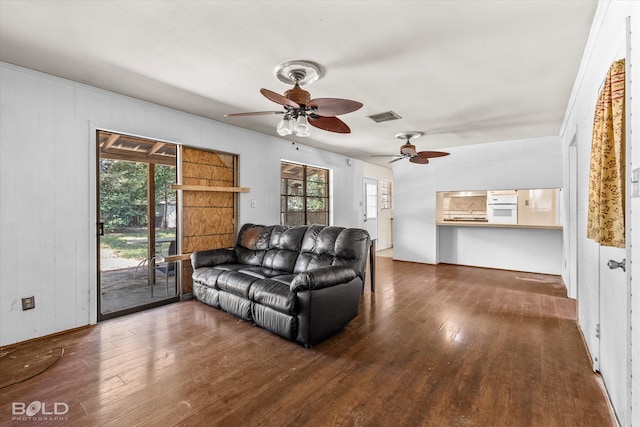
(628, 212)
(94, 291)
(572, 256)
(623, 414)
(364, 207)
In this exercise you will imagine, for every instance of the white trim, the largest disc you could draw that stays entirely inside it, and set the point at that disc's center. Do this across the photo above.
(628, 236)
(585, 64)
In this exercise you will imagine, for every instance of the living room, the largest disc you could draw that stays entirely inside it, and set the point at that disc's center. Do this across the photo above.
(48, 181)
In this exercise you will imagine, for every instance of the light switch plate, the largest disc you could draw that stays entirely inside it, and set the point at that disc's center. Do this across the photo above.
(254, 203)
(635, 183)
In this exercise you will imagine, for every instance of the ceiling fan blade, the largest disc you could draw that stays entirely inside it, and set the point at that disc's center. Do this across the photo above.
(331, 124)
(431, 154)
(395, 160)
(419, 160)
(386, 155)
(278, 99)
(254, 113)
(330, 107)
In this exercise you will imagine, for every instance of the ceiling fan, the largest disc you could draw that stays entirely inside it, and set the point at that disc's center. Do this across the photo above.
(300, 110)
(408, 150)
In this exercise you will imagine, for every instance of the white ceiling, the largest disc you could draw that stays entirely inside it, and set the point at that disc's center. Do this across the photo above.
(464, 72)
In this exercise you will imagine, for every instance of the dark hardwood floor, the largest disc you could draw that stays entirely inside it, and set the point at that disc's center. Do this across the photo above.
(434, 346)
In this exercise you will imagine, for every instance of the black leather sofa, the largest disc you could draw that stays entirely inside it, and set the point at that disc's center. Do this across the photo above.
(303, 283)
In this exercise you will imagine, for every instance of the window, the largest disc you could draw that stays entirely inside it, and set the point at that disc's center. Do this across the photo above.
(304, 195)
(371, 200)
(385, 192)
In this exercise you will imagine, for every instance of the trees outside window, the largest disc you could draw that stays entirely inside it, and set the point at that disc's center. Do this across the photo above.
(304, 195)
(123, 194)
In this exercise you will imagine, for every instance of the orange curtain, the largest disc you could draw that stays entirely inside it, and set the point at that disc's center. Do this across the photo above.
(605, 222)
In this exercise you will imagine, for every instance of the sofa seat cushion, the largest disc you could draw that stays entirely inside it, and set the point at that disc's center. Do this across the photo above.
(206, 294)
(285, 325)
(273, 294)
(236, 283)
(208, 276)
(261, 272)
(285, 278)
(231, 267)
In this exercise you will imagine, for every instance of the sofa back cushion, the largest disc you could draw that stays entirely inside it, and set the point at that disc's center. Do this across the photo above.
(352, 247)
(252, 244)
(284, 247)
(301, 248)
(324, 246)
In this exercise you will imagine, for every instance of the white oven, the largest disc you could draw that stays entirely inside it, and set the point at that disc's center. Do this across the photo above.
(502, 207)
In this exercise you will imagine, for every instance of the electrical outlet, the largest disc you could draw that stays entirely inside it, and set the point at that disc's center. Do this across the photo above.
(28, 303)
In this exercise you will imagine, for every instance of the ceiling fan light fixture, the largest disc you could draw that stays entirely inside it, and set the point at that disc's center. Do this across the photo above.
(302, 126)
(408, 150)
(285, 126)
(298, 105)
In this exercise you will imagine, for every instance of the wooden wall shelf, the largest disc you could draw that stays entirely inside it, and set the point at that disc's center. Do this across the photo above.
(207, 188)
(177, 257)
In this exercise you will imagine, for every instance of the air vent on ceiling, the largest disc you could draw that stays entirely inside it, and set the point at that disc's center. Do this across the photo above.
(384, 117)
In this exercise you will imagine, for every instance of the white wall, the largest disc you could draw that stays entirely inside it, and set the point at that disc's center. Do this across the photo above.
(606, 44)
(48, 191)
(520, 249)
(385, 216)
(520, 164)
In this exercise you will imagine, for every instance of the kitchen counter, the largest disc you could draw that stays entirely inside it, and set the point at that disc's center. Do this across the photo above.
(491, 225)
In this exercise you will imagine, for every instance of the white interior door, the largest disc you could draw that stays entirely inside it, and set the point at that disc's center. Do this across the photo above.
(614, 329)
(615, 296)
(371, 206)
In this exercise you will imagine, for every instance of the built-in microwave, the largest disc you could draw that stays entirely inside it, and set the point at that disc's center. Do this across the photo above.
(502, 207)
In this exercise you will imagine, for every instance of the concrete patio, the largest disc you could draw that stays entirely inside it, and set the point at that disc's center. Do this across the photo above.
(121, 289)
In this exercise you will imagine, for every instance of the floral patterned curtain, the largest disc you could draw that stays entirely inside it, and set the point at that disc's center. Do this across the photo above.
(605, 222)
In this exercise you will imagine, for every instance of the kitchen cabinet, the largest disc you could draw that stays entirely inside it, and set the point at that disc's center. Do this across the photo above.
(538, 207)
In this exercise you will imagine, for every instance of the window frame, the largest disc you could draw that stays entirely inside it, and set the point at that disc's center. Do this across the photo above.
(305, 212)
(386, 190)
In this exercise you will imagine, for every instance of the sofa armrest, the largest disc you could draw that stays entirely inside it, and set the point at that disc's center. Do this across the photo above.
(212, 257)
(322, 277)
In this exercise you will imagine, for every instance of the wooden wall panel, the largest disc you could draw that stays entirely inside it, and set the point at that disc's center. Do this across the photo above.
(207, 199)
(209, 172)
(207, 217)
(192, 155)
(205, 221)
(206, 182)
(211, 241)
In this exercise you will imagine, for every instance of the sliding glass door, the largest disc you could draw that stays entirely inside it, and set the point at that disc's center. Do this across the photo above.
(137, 211)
